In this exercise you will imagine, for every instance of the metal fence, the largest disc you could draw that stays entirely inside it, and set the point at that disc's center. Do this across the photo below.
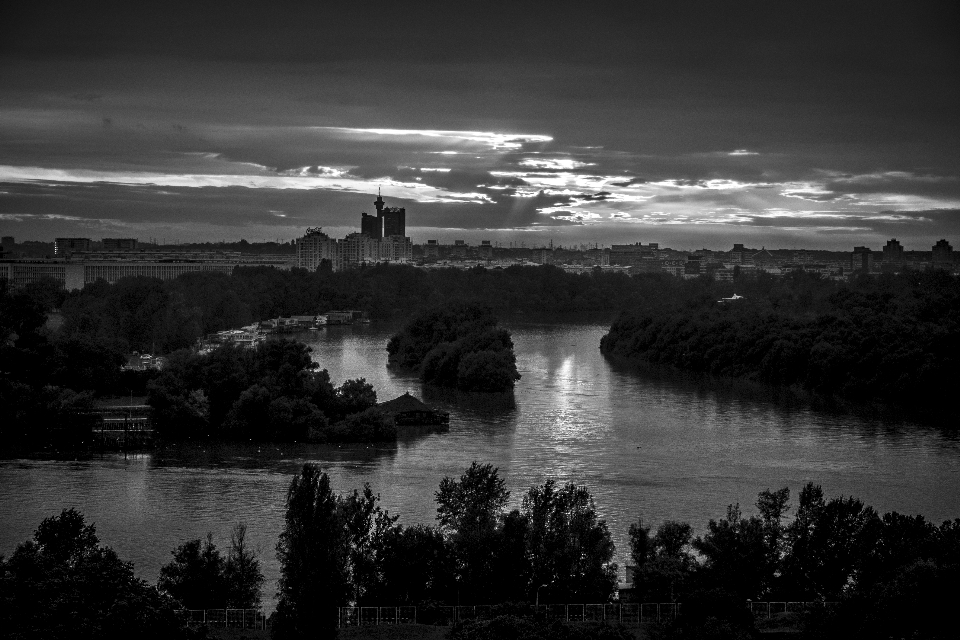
(631, 615)
(767, 610)
(226, 618)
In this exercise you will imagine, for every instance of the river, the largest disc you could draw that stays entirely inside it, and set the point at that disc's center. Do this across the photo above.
(644, 445)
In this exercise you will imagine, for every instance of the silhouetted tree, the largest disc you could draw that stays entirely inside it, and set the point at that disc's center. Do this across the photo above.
(469, 511)
(63, 584)
(195, 576)
(369, 528)
(569, 546)
(241, 571)
(314, 555)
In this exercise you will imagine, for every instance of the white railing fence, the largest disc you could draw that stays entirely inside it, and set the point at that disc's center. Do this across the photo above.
(627, 614)
(226, 618)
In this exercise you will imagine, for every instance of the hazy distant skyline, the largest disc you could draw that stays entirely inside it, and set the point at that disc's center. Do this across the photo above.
(814, 125)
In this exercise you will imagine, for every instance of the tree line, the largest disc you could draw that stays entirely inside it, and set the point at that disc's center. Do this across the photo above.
(457, 346)
(346, 550)
(893, 339)
(155, 316)
(873, 575)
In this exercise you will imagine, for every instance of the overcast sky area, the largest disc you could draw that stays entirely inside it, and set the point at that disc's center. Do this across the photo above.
(816, 125)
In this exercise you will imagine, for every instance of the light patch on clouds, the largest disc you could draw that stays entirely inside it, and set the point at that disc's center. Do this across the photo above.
(742, 152)
(558, 164)
(415, 191)
(906, 201)
(490, 139)
(887, 176)
(311, 171)
(57, 217)
(808, 191)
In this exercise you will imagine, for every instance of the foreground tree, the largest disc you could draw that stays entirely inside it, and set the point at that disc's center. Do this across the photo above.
(569, 546)
(314, 555)
(664, 562)
(195, 575)
(369, 527)
(63, 584)
(242, 571)
(417, 566)
(830, 542)
(469, 511)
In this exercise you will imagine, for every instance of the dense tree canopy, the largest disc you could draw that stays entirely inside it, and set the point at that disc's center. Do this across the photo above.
(457, 346)
(274, 392)
(64, 584)
(47, 381)
(895, 339)
(569, 546)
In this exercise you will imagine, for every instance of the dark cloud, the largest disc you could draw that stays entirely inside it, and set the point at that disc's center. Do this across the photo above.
(832, 100)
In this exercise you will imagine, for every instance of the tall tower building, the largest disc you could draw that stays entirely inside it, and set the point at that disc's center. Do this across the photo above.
(394, 222)
(390, 221)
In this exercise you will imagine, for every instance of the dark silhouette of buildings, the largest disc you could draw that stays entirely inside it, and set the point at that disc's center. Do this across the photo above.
(942, 252)
(64, 246)
(861, 259)
(892, 251)
(371, 226)
(389, 221)
(119, 244)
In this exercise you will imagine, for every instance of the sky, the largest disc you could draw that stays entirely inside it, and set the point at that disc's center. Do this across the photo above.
(691, 124)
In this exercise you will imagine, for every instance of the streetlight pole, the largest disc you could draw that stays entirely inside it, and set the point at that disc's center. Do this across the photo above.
(538, 592)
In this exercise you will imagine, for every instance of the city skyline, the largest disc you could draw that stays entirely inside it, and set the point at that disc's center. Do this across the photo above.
(693, 126)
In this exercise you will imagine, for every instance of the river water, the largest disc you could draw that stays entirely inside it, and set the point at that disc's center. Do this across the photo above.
(645, 446)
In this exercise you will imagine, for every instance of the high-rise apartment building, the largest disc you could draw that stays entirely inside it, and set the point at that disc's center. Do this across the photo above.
(892, 252)
(315, 247)
(381, 239)
(371, 226)
(486, 250)
(861, 259)
(942, 252)
(63, 246)
(632, 254)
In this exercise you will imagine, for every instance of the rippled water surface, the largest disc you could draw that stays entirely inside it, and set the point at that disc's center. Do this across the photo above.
(656, 448)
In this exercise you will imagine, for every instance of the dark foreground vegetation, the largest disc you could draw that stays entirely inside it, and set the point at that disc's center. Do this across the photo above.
(341, 550)
(864, 575)
(459, 346)
(891, 339)
(64, 584)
